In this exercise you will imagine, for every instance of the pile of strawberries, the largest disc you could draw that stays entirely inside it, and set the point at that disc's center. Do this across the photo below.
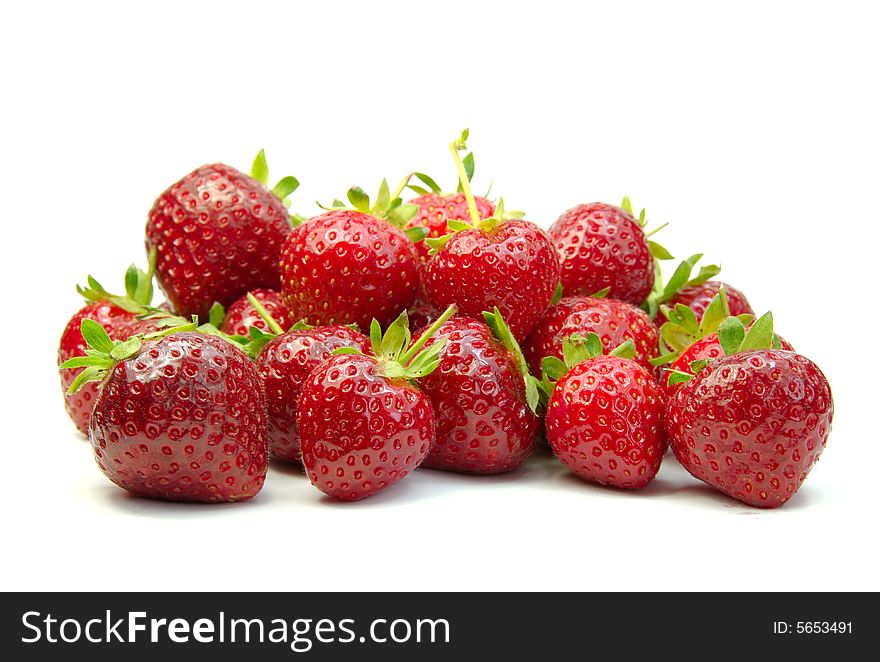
(291, 337)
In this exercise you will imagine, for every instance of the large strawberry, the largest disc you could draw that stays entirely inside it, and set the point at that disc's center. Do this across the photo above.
(363, 423)
(604, 416)
(602, 246)
(350, 266)
(218, 234)
(179, 417)
(116, 313)
(613, 321)
(436, 207)
(496, 262)
(483, 396)
(752, 423)
(694, 291)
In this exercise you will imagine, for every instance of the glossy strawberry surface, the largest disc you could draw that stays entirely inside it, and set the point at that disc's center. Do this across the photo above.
(360, 431)
(346, 267)
(752, 425)
(513, 267)
(218, 234)
(613, 321)
(183, 420)
(698, 298)
(241, 315)
(421, 314)
(115, 321)
(484, 425)
(605, 422)
(436, 210)
(285, 364)
(601, 246)
(703, 349)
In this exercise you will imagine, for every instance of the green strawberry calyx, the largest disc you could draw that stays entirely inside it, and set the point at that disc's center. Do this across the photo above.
(433, 187)
(282, 190)
(682, 278)
(498, 327)
(657, 251)
(484, 224)
(735, 338)
(138, 295)
(398, 357)
(389, 206)
(577, 349)
(682, 329)
(103, 353)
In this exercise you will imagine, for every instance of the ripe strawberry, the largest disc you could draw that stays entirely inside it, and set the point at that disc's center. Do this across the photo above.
(352, 266)
(116, 314)
(485, 425)
(363, 423)
(218, 234)
(601, 246)
(496, 262)
(421, 313)
(613, 321)
(752, 423)
(605, 414)
(180, 417)
(695, 292)
(436, 208)
(241, 314)
(285, 363)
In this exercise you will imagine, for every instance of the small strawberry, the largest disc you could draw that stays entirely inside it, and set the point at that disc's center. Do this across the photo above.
(218, 234)
(421, 314)
(694, 292)
(285, 359)
(604, 416)
(241, 314)
(603, 246)
(496, 262)
(363, 423)
(352, 266)
(483, 396)
(116, 314)
(613, 321)
(752, 423)
(437, 208)
(179, 416)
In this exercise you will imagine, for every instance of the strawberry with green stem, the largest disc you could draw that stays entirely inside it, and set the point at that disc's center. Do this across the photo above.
(604, 417)
(753, 422)
(181, 415)
(484, 399)
(502, 262)
(600, 245)
(218, 234)
(241, 315)
(350, 266)
(364, 423)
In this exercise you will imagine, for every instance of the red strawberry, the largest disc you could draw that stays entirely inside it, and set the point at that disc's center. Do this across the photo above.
(285, 363)
(348, 267)
(484, 423)
(116, 314)
(241, 314)
(436, 208)
(604, 416)
(601, 246)
(496, 262)
(181, 417)
(421, 313)
(363, 423)
(613, 321)
(753, 423)
(218, 234)
(695, 292)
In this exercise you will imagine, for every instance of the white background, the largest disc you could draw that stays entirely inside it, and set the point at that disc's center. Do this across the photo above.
(753, 129)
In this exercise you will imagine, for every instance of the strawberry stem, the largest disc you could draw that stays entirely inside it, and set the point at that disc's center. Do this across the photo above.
(403, 184)
(274, 326)
(455, 146)
(426, 336)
